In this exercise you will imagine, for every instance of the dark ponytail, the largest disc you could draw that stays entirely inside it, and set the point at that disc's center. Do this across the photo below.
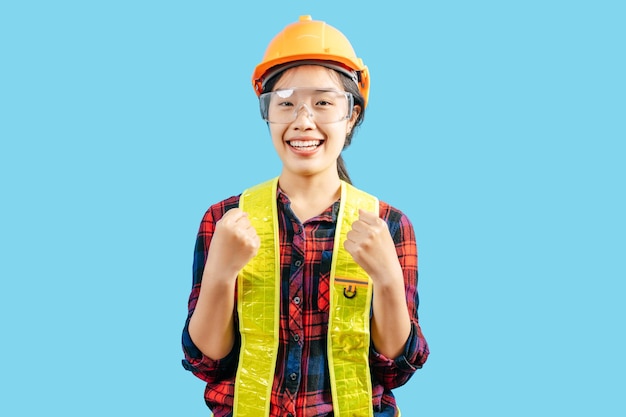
(350, 86)
(343, 172)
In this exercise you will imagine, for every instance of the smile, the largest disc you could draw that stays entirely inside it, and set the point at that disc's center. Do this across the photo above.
(305, 145)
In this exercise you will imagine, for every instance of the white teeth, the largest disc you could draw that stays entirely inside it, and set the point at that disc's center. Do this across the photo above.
(304, 143)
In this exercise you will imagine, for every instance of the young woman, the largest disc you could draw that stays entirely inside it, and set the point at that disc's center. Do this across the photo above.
(304, 298)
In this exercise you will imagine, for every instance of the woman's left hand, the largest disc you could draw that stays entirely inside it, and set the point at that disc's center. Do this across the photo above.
(372, 247)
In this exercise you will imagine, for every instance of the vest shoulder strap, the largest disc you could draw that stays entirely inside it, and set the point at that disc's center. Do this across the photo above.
(258, 303)
(349, 315)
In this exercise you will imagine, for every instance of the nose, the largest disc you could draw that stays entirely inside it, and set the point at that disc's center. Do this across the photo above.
(307, 112)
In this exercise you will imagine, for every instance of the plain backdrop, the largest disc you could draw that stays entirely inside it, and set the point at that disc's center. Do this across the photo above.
(498, 127)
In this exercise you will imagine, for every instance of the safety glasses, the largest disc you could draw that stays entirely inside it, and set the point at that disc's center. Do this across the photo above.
(320, 105)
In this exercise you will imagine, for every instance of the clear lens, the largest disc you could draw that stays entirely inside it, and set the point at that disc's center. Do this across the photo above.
(322, 106)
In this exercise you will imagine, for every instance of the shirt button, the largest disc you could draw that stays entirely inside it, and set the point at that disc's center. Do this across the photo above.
(296, 337)
(296, 300)
(298, 262)
(293, 376)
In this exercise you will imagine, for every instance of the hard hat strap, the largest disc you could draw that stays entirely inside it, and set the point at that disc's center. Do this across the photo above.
(353, 75)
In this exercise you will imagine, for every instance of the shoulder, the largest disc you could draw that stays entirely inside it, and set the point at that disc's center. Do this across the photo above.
(396, 220)
(217, 210)
(391, 214)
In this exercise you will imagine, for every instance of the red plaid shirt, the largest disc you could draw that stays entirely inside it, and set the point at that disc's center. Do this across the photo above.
(301, 382)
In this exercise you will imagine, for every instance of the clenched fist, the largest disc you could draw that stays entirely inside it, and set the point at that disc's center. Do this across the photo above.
(372, 247)
(234, 243)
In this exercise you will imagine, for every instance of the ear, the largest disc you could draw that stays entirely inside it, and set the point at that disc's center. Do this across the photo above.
(356, 111)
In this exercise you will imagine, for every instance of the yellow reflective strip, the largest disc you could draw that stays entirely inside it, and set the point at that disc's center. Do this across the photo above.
(258, 306)
(348, 326)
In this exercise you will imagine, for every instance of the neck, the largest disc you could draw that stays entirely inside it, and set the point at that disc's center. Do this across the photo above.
(310, 196)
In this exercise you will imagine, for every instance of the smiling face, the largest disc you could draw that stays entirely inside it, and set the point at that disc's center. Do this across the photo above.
(305, 147)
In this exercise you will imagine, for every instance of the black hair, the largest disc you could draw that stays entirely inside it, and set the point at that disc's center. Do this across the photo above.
(349, 86)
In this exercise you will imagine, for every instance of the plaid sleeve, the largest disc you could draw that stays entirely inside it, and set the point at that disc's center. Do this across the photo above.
(195, 361)
(392, 373)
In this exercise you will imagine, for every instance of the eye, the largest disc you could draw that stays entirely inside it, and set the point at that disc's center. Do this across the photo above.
(284, 103)
(283, 98)
(325, 100)
(323, 103)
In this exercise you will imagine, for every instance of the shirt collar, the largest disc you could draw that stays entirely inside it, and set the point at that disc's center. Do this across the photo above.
(328, 215)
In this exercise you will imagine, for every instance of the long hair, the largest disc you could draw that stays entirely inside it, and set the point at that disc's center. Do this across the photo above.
(349, 86)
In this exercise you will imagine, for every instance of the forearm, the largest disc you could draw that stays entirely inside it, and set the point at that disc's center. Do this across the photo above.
(211, 326)
(391, 323)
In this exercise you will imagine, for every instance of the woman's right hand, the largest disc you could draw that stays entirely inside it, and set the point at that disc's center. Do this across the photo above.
(234, 243)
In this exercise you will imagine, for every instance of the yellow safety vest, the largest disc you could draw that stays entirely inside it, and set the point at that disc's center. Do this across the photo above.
(258, 304)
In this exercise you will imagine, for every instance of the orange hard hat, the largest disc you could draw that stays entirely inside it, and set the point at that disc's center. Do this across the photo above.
(311, 41)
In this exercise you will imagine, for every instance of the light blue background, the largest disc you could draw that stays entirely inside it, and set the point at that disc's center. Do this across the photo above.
(497, 126)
